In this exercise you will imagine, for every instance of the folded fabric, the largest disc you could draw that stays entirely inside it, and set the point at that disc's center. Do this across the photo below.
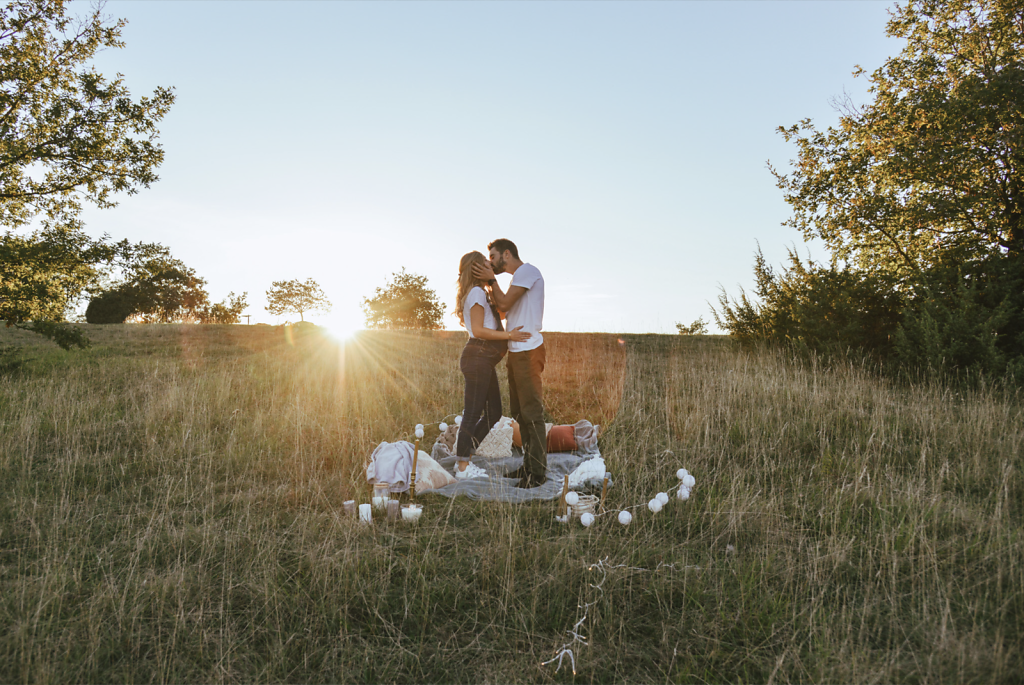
(391, 462)
(586, 436)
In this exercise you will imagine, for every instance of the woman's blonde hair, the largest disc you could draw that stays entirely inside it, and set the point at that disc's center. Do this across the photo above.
(467, 281)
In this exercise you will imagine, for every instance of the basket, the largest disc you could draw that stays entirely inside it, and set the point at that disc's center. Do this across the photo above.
(587, 504)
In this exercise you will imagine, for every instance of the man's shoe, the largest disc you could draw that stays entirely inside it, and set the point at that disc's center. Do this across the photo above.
(531, 481)
(521, 472)
(472, 471)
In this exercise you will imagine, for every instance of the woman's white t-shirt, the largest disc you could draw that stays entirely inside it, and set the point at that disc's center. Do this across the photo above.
(478, 296)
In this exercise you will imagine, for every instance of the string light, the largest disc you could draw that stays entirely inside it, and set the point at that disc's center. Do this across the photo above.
(566, 650)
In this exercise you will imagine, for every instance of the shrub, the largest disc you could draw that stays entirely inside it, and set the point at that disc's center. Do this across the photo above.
(698, 327)
(110, 306)
(814, 306)
(966, 316)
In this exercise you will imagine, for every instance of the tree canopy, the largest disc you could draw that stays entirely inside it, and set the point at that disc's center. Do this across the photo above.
(405, 302)
(930, 169)
(298, 297)
(157, 288)
(68, 137)
(918, 196)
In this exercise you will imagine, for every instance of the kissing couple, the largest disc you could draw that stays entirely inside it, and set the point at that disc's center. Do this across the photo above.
(481, 307)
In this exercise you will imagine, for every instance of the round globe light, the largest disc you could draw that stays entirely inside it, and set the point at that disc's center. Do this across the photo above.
(587, 519)
(662, 497)
(572, 498)
(458, 420)
(689, 481)
(443, 426)
(625, 517)
(654, 505)
(683, 494)
(419, 431)
(681, 474)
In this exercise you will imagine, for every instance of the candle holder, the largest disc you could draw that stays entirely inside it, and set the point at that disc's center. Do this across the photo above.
(365, 513)
(381, 495)
(562, 506)
(412, 476)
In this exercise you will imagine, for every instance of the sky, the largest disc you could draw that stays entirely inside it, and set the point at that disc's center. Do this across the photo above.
(623, 146)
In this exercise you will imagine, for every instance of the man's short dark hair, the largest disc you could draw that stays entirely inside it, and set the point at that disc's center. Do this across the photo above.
(502, 244)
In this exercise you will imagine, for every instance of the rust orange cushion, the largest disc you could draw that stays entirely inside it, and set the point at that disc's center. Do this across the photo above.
(561, 439)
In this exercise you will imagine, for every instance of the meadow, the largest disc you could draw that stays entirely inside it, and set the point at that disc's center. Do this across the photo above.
(172, 512)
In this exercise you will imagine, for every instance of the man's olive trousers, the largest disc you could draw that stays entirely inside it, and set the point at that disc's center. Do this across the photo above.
(526, 398)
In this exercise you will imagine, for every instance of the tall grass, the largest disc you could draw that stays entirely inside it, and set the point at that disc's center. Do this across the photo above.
(172, 512)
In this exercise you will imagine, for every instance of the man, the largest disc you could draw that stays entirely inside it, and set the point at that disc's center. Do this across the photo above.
(524, 304)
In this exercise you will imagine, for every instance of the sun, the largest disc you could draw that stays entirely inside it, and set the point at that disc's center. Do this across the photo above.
(342, 328)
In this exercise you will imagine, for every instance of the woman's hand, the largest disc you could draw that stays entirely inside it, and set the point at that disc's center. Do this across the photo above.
(518, 335)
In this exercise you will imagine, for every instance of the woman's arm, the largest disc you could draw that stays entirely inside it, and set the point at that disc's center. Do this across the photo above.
(476, 322)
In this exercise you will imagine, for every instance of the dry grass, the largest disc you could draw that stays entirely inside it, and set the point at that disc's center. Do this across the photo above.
(172, 502)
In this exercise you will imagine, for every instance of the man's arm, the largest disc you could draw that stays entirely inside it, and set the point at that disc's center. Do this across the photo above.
(502, 300)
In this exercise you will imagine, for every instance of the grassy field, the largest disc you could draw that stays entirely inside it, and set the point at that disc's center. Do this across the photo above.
(172, 512)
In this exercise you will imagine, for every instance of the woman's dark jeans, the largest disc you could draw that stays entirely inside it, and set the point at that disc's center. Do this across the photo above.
(483, 395)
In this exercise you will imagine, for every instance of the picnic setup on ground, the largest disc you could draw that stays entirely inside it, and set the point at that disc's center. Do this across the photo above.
(577, 476)
(577, 479)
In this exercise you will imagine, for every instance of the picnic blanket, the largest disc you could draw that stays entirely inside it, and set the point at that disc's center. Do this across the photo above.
(497, 488)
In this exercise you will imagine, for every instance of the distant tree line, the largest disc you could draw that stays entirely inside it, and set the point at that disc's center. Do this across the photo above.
(919, 197)
(70, 137)
(156, 288)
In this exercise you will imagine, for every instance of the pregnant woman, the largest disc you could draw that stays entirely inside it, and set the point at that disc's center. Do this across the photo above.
(488, 343)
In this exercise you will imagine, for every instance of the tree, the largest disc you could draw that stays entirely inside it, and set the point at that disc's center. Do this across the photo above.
(930, 170)
(918, 195)
(296, 296)
(698, 327)
(227, 311)
(157, 288)
(68, 137)
(404, 303)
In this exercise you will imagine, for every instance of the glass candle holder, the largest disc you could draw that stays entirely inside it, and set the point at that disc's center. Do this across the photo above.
(381, 495)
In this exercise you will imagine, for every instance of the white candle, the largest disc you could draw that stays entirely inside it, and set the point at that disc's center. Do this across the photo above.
(365, 514)
(412, 512)
(380, 502)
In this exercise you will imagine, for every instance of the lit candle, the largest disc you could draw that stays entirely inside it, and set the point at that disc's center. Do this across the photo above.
(412, 512)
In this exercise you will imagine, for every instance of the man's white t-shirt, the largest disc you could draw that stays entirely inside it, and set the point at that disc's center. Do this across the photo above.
(478, 296)
(528, 311)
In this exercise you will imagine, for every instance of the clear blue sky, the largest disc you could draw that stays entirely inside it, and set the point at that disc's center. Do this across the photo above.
(621, 145)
